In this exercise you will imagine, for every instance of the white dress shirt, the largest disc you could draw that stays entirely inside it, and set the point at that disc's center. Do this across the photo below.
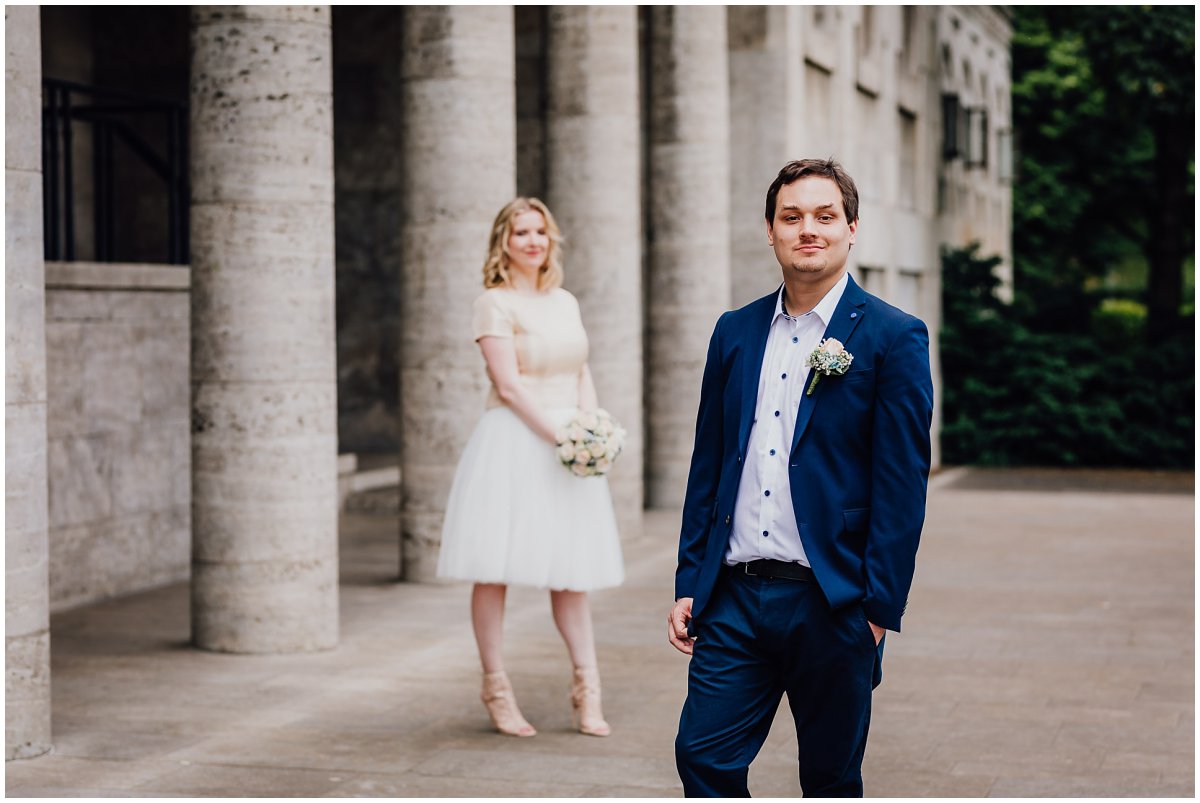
(764, 523)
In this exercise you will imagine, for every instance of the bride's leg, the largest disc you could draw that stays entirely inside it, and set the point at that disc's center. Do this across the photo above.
(487, 617)
(573, 616)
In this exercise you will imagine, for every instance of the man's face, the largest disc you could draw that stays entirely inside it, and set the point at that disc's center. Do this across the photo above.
(810, 233)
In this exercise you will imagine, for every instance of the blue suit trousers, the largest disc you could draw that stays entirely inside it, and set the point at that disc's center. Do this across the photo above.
(761, 638)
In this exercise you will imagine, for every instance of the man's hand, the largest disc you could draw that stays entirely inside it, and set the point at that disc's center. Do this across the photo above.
(877, 630)
(677, 622)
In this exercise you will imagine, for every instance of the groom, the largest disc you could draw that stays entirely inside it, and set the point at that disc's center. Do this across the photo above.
(804, 505)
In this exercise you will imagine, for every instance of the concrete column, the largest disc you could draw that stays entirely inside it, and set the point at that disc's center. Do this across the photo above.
(264, 412)
(459, 146)
(688, 286)
(26, 558)
(593, 187)
(766, 85)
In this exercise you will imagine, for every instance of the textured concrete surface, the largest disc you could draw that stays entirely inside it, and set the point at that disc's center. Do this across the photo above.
(118, 427)
(26, 605)
(687, 285)
(593, 187)
(1047, 651)
(264, 386)
(459, 158)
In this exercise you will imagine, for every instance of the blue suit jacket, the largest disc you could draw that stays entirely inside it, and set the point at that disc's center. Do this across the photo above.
(859, 463)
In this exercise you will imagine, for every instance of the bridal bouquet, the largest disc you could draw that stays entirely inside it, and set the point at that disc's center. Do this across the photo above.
(590, 443)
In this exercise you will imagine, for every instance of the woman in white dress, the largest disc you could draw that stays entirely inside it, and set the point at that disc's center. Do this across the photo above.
(515, 514)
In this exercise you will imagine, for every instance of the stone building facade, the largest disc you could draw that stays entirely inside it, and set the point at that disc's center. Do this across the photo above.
(168, 422)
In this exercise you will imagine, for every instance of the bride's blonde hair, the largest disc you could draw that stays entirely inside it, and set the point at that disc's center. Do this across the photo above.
(495, 269)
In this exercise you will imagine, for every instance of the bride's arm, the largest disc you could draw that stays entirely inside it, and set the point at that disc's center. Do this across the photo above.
(501, 357)
(587, 390)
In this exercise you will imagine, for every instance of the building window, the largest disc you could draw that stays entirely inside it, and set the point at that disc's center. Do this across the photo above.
(818, 91)
(873, 279)
(964, 132)
(907, 190)
(953, 127)
(976, 154)
(908, 23)
(908, 292)
(1004, 154)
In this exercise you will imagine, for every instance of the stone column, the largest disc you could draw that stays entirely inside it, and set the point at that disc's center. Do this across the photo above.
(688, 285)
(26, 558)
(459, 146)
(593, 187)
(264, 412)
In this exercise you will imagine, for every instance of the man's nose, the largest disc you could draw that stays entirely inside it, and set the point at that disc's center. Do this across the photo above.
(808, 226)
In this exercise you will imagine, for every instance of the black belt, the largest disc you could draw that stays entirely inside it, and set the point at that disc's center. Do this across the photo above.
(780, 569)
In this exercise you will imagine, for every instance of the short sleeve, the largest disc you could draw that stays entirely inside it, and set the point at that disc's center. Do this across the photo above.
(490, 317)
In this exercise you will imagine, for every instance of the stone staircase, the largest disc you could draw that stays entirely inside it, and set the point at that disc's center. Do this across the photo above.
(369, 484)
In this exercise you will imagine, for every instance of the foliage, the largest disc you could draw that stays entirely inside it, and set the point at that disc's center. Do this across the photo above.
(1013, 395)
(1102, 96)
(1092, 363)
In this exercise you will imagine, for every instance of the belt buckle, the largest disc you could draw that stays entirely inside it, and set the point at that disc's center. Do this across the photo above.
(746, 569)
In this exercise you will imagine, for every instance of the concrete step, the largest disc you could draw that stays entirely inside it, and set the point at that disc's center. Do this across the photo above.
(369, 484)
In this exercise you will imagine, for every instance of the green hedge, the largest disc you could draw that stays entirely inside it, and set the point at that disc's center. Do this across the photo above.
(1099, 396)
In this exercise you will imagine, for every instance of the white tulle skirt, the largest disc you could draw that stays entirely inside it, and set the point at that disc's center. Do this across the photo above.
(516, 515)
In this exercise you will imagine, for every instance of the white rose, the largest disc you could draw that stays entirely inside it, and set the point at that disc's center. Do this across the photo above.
(832, 346)
(612, 452)
(575, 433)
(589, 421)
(580, 469)
(603, 465)
(582, 457)
(566, 452)
(605, 427)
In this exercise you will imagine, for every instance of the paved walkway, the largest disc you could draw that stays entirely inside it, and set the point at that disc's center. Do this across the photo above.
(1047, 651)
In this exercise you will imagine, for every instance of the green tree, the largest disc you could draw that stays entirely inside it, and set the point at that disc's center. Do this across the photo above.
(1144, 60)
(1103, 106)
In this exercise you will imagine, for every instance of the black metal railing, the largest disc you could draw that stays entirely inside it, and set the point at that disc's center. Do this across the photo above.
(114, 116)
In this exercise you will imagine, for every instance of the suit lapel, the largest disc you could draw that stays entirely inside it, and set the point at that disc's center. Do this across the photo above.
(846, 317)
(755, 346)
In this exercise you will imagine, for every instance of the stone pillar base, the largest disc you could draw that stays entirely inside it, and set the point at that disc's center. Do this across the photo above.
(27, 696)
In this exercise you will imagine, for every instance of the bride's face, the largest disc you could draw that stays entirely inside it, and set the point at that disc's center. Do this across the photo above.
(529, 244)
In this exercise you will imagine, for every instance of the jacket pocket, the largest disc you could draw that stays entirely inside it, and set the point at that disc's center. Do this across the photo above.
(857, 519)
(859, 376)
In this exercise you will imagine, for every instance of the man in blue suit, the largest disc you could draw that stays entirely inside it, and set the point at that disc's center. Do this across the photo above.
(804, 505)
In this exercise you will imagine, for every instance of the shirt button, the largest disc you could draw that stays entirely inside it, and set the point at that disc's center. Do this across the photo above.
(765, 533)
(795, 340)
(777, 414)
(785, 376)
(726, 519)
(772, 453)
(766, 493)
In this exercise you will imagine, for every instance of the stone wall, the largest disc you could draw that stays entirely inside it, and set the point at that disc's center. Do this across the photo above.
(119, 449)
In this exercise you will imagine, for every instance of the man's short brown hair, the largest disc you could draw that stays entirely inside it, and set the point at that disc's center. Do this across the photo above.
(821, 168)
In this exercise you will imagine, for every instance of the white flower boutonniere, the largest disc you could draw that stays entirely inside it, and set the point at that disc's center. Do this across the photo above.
(828, 359)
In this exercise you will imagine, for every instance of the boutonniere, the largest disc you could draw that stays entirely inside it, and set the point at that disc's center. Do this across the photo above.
(828, 359)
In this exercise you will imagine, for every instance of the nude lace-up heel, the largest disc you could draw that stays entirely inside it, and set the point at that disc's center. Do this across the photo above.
(585, 700)
(501, 703)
